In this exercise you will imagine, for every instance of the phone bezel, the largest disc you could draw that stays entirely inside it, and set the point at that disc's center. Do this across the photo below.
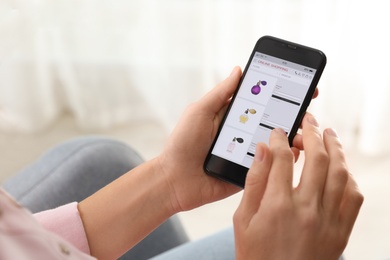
(232, 172)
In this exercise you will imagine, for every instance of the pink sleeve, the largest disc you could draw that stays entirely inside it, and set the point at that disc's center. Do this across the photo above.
(66, 222)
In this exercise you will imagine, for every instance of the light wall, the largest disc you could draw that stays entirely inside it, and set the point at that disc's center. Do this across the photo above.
(108, 63)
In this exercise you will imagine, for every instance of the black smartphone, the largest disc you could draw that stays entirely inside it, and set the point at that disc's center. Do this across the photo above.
(275, 90)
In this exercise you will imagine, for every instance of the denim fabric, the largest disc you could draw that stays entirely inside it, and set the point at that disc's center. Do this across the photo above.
(78, 168)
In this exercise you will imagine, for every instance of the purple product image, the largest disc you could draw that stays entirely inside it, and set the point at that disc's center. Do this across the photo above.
(256, 89)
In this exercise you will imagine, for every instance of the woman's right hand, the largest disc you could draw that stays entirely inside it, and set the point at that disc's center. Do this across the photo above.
(311, 221)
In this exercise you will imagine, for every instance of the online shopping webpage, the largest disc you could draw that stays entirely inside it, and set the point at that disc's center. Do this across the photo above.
(270, 96)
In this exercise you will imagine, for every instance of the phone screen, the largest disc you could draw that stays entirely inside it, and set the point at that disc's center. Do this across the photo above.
(270, 96)
(274, 92)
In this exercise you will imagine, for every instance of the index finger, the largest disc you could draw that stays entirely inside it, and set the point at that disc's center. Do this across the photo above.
(316, 164)
(281, 174)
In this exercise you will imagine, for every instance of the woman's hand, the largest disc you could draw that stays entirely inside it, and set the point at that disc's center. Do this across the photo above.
(185, 152)
(311, 221)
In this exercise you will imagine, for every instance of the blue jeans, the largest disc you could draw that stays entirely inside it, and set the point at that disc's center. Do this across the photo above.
(76, 169)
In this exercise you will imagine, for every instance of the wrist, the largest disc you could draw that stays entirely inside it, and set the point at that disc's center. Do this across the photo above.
(166, 171)
(160, 190)
(122, 213)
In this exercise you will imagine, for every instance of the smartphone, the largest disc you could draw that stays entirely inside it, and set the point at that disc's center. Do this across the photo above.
(275, 90)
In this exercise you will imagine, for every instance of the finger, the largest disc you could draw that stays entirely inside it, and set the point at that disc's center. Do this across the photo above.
(256, 182)
(316, 93)
(296, 153)
(281, 176)
(298, 142)
(337, 173)
(217, 98)
(350, 205)
(297, 146)
(315, 168)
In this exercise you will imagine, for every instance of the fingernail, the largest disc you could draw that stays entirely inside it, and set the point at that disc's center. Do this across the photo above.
(280, 131)
(312, 120)
(332, 132)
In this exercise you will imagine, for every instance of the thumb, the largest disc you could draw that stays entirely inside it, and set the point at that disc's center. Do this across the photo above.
(219, 95)
(256, 180)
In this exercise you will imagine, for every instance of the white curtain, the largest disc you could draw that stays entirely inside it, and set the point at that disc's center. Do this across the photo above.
(110, 62)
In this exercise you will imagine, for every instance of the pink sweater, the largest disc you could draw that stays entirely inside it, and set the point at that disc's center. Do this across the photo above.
(65, 221)
(57, 233)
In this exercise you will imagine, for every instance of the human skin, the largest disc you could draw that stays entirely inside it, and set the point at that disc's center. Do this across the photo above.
(311, 221)
(121, 214)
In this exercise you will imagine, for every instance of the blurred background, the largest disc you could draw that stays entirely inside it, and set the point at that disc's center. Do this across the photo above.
(127, 69)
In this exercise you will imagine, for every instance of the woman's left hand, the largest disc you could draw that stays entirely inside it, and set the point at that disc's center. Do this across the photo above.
(185, 152)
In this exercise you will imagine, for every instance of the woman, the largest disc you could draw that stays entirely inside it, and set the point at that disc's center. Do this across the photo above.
(274, 220)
